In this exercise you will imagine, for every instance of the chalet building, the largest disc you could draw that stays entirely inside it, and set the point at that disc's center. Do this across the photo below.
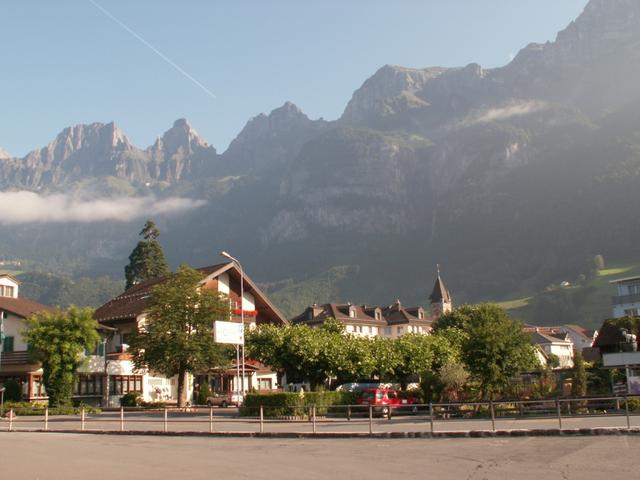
(627, 301)
(126, 312)
(15, 363)
(581, 337)
(392, 321)
(559, 344)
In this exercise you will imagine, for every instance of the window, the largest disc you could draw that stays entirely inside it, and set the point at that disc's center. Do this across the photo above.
(265, 384)
(634, 289)
(374, 330)
(400, 330)
(123, 384)
(6, 291)
(7, 344)
(420, 314)
(352, 313)
(88, 385)
(387, 331)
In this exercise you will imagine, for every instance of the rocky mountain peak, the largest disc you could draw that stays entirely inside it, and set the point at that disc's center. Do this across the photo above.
(4, 154)
(181, 139)
(391, 88)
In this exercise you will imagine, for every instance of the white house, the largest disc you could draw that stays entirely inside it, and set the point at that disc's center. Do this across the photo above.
(627, 300)
(126, 312)
(561, 346)
(15, 363)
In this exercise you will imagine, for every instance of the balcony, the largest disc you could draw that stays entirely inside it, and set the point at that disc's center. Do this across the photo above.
(624, 299)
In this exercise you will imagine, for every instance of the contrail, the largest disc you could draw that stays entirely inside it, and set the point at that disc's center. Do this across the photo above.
(154, 49)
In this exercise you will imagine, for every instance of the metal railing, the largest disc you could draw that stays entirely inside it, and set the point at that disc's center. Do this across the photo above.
(547, 414)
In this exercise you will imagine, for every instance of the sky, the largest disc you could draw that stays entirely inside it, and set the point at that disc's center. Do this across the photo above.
(145, 63)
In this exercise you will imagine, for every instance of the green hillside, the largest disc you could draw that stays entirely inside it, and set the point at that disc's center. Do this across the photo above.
(586, 302)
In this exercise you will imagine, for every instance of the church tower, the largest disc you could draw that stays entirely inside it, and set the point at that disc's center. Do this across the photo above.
(440, 298)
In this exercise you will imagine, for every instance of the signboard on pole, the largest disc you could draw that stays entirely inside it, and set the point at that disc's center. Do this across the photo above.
(228, 332)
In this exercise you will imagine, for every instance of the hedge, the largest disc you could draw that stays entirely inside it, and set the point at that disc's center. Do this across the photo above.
(294, 404)
(28, 409)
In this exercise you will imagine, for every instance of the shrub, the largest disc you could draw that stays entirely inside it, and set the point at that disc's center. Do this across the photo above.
(294, 404)
(27, 409)
(203, 394)
(131, 399)
(13, 391)
(634, 404)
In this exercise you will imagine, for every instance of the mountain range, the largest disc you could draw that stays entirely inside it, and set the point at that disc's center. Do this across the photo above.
(511, 178)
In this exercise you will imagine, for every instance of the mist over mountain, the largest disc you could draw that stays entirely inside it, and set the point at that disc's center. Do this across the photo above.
(511, 178)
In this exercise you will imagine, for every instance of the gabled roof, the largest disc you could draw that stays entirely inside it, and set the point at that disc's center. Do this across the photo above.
(440, 292)
(23, 307)
(538, 338)
(133, 302)
(396, 314)
(13, 279)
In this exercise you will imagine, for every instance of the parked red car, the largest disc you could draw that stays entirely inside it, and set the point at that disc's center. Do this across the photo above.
(384, 400)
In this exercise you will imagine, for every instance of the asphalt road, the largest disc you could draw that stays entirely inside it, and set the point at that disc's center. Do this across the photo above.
(227, 421)
(52, 456)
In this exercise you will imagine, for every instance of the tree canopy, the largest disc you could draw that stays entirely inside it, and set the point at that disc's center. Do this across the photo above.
(58, 340)
(494, 347)
(322, 355)
(176, 336)
(147, 259)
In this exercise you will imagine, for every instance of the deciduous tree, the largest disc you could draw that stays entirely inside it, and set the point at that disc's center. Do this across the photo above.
(58, 340)
(495, 347)
(176, 336)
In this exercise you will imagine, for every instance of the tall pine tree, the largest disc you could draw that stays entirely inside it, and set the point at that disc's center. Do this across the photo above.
(147, 259)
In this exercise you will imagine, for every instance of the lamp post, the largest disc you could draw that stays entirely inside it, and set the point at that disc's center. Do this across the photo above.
(2, 315)
(235, 260)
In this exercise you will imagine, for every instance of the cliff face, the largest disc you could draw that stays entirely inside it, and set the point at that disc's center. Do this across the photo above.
(506, 175)
(103, 150)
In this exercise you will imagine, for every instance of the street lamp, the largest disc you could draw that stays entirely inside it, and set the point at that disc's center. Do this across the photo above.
(237, 262)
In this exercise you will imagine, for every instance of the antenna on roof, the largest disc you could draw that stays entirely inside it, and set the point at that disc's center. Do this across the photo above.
(438, 268)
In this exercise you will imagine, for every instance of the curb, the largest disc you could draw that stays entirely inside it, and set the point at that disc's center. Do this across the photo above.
(575, 432)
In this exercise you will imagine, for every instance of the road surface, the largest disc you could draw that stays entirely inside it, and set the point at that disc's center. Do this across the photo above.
(53, 456)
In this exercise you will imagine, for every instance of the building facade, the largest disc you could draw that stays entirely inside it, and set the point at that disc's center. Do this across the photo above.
(627, 301)
(125, 313)
(15, 361)
(391, 321)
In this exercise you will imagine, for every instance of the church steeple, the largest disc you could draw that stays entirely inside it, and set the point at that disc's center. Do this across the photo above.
(440, 297)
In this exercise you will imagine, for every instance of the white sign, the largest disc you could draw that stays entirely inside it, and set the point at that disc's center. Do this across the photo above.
(228, 332)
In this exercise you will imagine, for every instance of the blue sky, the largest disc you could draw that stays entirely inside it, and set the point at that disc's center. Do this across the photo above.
(66, 62)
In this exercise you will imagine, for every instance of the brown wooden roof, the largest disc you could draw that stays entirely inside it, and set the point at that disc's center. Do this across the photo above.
(133, 302)
(23, 307)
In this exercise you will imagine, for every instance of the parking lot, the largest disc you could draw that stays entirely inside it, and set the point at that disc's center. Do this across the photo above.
(55, 456)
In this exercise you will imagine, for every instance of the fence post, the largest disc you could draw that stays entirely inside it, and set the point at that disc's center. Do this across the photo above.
(46, 418)
(261, 419)
(82, 418)
(11, 419)
(122, 419)
(349, 412)
(165, 427)
(493, 416)
(559, 413)
(626, 410)
(210, 419)
(314, 418)
(370, 419)
(431, 416)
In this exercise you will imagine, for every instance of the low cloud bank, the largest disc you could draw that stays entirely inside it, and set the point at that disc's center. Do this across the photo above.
(515, 109)
(28, 207)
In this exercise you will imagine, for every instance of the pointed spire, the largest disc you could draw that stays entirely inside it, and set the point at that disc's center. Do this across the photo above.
(440, 292)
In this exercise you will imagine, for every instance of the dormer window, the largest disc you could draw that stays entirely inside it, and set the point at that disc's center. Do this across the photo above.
(378, 315)
(352, 312)
(7, 291)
